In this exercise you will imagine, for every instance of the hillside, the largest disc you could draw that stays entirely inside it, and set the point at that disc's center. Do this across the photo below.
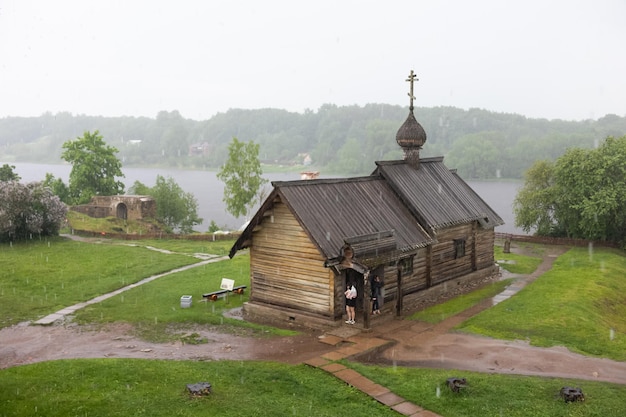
(343, 140)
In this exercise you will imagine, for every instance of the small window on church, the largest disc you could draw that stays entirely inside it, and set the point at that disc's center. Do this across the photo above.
(459, 248)
(406, 266)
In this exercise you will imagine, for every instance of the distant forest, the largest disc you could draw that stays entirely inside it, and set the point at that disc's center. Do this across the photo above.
(335, 140)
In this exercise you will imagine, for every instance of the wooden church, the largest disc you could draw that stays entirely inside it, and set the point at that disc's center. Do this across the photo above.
(413, 222)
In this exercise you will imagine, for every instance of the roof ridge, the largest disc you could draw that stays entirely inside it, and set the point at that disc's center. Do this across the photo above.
(324, 181)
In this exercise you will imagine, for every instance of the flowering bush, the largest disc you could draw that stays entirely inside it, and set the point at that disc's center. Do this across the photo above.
(27, 209)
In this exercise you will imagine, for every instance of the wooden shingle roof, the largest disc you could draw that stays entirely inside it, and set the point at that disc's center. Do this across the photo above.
(436, 195)
(334, 211)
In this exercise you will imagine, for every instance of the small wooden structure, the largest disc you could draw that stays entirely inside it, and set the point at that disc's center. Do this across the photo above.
(413, 222)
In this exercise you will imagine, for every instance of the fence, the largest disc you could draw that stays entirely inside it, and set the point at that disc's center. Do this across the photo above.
(211, 237)
(546, 240)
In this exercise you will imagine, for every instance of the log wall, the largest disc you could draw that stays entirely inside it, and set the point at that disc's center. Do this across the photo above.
(287, 269)
(485, 242)
(437, 264)
(445, 264)
(415, 281)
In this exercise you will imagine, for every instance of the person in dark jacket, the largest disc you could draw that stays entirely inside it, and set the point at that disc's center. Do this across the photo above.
(377, 286)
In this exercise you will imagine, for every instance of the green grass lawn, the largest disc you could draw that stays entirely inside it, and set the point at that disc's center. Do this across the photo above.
(39, 277)
(155, 308)
(519, 264)
(218, 247)
(123, 387)
(496, 395)
(580, 304)
(141, 387)
(442, 311)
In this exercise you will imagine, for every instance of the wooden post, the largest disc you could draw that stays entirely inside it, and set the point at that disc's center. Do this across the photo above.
(399, 295)
(507, 245)
(367, 301)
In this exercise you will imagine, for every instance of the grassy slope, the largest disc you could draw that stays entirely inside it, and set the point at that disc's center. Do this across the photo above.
(497, 395)
(42, 276)
(136, 387)
(580, 304)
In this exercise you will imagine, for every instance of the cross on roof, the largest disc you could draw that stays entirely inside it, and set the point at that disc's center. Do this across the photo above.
(412, 77)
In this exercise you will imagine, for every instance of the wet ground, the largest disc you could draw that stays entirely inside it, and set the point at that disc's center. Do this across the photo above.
(409, 343)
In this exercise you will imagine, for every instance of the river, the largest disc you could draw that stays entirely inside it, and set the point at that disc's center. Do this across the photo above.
(208, 190)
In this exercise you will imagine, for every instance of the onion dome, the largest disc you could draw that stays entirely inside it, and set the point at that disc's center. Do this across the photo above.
(411, 136)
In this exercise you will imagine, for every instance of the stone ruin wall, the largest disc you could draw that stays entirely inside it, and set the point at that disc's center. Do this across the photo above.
(130, 207)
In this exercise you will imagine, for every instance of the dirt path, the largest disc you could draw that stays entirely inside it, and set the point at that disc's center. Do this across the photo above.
(435, 346)
(25, 344)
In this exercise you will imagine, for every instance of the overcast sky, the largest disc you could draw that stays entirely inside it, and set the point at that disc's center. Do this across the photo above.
(539, 58)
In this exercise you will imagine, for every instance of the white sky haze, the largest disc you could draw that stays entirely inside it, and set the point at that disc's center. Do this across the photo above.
(548, 59)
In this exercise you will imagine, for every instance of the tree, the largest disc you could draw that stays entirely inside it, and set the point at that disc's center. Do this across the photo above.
(7, 173)
(94, 168)
(534, 204)
(474, 156)
(581, 195)
(242, 178)
(176, 208)
(27, 209)
(592, 186)
(58, 187)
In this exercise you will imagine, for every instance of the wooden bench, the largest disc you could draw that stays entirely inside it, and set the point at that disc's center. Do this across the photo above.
(213, 296)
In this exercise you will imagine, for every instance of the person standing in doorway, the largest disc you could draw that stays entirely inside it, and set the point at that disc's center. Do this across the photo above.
(350, 302)
(377, 285)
